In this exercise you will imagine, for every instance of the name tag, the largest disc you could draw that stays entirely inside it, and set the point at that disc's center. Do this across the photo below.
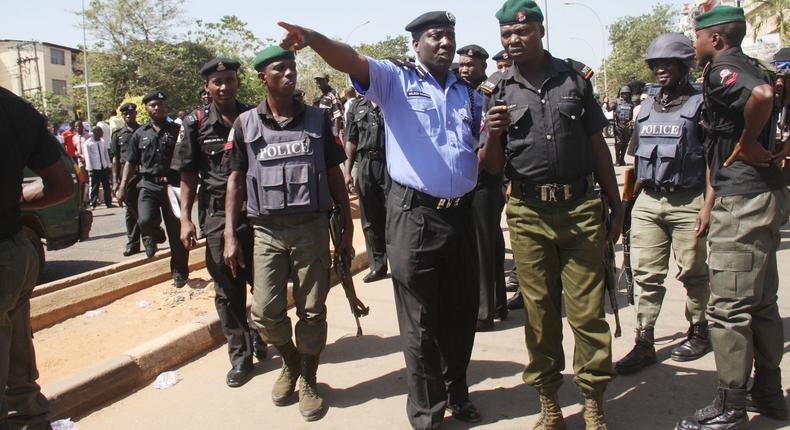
(414, 93)
(214, 140)
(276, 151)
(661, 130)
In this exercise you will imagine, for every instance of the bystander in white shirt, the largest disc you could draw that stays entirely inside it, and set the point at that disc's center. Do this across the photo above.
(96, 155)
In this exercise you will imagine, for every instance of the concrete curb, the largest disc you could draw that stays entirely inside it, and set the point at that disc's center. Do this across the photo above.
(117, 376)
(132, 262)
(67, 302)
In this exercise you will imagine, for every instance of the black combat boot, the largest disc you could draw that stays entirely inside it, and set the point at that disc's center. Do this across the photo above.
(766, 396)
(696, 345)
(727, 412)
(643, 354)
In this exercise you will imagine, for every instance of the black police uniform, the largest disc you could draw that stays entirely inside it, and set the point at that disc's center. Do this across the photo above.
(152, 151)
(26, 143)
(119, 147)
(488, 202)
(201, 150)
(366, 128)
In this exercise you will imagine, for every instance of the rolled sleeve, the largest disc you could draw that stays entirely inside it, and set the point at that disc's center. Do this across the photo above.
(186, 157)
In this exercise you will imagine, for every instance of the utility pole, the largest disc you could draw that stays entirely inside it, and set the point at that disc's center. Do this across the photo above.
(85, 62)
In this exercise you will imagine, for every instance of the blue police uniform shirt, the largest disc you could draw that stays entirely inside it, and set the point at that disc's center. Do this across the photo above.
(430, 144)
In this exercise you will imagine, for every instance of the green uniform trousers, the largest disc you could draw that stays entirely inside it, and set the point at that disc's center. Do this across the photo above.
(22, 406)
(662, 223)
(291, 247)
(558, 248)
(746, 328)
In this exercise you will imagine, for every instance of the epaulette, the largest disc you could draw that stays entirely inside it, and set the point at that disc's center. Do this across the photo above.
(489, 85)
(582, 69)
(421, 73)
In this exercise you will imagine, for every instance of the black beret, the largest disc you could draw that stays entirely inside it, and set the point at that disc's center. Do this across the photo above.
(154, 95)
(473, 51)
(501, 56)
(128, 107)
(431, 19)
(219, 65)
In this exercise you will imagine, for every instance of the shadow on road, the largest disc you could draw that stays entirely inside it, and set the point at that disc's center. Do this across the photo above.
(58, 269)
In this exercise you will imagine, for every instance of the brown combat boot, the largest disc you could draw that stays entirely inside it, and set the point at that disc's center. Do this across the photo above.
(550, 412)
(311, 405)
(593, 412)
(285, 384)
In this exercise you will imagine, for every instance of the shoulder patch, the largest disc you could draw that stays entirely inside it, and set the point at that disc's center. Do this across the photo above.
(582, 69)
(490, 84)
(408, 65)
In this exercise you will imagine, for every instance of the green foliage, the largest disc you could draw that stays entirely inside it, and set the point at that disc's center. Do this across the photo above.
(50, 105)
(630, 37)
(122, 21)
(771, 15)
(142, 114)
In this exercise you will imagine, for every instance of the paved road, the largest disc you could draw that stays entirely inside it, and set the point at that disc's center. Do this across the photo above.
(105, 246)
(363, 379)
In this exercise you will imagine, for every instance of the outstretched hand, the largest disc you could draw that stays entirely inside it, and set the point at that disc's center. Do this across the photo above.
(295, 38)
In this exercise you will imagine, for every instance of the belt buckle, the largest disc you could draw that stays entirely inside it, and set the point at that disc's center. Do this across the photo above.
(566, 189)
(442, 203)
(548, 193)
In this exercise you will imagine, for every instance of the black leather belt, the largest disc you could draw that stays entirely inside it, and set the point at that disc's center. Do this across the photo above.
(162, 180)
(666, 188)
(372, 154)
(553, 193)
(427, 200)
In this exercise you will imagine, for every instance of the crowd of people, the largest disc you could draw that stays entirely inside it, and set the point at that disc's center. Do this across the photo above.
(436, 152)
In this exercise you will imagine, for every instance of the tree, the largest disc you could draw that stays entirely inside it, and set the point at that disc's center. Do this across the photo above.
(630, 37)
(123, 21)
(50, 105)
(772, 15)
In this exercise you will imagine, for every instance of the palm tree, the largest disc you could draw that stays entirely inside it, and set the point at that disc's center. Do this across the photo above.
(773, 15)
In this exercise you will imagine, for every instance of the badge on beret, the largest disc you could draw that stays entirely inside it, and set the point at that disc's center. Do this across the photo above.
(220, 66)
(450, 17)
(521, 16)
(470, 52)
(160, 95)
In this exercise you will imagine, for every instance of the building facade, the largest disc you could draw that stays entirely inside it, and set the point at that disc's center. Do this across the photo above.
(30, 67)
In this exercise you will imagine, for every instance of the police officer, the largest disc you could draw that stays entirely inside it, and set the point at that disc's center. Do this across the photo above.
(752, 203)
(119, 148)
(673, 211)
(503, 60)
(487, 203)
(287, 152)
(623, 123)
(200, 151)
(544, 128)
(151, 148)
(364, 136)
(26, 143)
(431, 119)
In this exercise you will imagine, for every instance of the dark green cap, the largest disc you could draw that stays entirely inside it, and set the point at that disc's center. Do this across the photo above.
(267, 55)
(519, 11)
(719, 15)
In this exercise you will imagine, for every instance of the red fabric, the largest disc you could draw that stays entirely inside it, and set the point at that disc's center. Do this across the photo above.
(68, 142)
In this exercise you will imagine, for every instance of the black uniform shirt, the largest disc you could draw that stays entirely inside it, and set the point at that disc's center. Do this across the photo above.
(119, 144)
(152, 150)
(365, 125)
(728, 83)
(549, 137)
(201, 148)
(333, 153)
(26, 142)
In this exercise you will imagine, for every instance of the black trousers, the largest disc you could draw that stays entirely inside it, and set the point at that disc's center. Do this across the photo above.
(372, 185)
(487, 205)
(130, 216)
(100, 177)
(203, 206)
(230, 296)
(153, 206)
(432, 259)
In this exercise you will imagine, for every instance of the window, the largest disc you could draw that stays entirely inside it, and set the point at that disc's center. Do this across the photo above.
(59, 87)
(57, 56)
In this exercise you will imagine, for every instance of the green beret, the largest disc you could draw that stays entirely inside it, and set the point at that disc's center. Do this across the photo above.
(719, 15)
(270, 54)
(519, 11)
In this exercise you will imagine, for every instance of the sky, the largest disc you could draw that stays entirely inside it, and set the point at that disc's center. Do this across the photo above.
(573, 30)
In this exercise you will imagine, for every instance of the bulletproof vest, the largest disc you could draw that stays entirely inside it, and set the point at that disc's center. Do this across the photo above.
(624, 111)
(670, 150)
(287, 170)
